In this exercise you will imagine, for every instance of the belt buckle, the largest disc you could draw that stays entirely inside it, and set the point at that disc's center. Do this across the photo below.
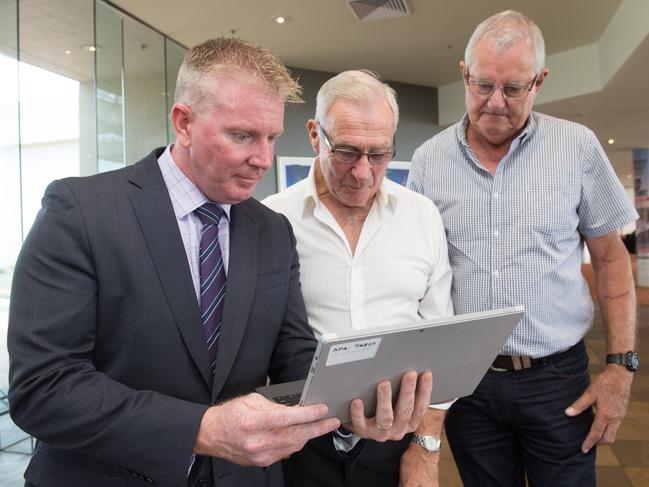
(521, 362)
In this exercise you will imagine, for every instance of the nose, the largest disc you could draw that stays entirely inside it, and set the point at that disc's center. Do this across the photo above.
(362, 169)
(496, 100)
(262, 156)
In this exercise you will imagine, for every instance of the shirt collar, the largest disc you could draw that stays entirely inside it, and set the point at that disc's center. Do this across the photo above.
(384, 196)
(185, 195)
(528, 129)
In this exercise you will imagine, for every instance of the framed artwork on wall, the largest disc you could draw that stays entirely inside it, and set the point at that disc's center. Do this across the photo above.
(290, 170)
(398, 172)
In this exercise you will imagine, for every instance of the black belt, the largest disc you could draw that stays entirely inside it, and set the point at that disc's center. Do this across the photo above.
(504, 363)
(517, 362)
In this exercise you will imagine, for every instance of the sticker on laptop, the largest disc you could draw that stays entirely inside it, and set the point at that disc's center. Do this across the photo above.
(341, 353)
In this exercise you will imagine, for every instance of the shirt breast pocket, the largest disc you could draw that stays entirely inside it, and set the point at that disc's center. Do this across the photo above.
(554, 212)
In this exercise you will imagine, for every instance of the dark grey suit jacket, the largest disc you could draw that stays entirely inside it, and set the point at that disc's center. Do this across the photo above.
(109, 367)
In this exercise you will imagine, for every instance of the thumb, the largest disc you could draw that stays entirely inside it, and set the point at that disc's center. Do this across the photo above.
(581, 404)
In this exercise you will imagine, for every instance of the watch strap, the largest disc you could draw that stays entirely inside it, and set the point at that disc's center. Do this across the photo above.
(616, 358)
(629, 360)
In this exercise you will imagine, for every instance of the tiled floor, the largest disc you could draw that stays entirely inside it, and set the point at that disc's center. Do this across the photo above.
(625, 463)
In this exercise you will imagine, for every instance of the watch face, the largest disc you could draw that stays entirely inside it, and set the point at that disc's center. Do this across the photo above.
(633, 361)
(429, 443)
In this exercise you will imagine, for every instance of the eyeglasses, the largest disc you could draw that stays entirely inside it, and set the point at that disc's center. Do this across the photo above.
(509, 91)
(351, 155)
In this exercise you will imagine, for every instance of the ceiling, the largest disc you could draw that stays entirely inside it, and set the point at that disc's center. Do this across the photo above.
(423, 48)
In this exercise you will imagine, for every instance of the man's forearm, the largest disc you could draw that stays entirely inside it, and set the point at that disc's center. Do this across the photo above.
(616, 296)
(418, 466)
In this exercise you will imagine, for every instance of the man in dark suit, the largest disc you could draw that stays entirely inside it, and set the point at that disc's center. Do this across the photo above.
(116, 371)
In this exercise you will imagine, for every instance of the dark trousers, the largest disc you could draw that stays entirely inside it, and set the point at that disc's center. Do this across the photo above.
(369, 464)
(513, 426)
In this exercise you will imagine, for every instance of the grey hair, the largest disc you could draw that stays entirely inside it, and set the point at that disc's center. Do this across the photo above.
(506, 28)
(361, 86)
(230, 54)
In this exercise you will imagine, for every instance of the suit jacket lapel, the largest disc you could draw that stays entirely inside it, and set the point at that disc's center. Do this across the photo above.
(239, 291)
(155, 214)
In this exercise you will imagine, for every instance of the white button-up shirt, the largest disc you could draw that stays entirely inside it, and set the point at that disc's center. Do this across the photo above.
(399, 273)
(400, 270)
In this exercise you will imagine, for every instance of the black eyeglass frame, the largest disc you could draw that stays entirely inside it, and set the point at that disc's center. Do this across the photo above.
(337, 151)
(502, 88)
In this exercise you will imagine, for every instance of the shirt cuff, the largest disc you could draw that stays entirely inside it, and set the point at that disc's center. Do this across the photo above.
(345, 441)
(442, 405)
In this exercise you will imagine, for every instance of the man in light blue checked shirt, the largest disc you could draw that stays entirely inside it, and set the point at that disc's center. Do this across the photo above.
(519, 193)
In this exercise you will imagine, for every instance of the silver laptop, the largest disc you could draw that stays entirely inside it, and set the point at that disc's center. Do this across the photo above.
(458, 350)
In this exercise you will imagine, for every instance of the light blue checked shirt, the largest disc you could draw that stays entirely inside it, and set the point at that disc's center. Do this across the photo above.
(185, 198)
(516, 236)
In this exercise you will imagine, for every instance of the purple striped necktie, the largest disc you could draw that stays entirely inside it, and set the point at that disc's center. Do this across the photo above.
(212, 276)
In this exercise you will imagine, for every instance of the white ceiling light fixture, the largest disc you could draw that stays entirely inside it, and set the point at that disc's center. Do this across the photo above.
(281, 19)
(90, 47)
(611, 141)
(365, 10)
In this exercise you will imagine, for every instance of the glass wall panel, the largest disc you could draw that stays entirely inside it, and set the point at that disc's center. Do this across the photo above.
(144, 90)
(67, 71)
(174, 53)
(10, 222)
(111, 150)
(54, 64)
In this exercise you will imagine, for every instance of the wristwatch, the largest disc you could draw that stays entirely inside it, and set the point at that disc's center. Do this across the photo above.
(431, 444)
(630, 360)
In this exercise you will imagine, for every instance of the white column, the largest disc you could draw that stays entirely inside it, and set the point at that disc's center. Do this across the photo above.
(641, 186)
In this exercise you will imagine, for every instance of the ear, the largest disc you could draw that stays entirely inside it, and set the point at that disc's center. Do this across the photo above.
(312, 130)
(182, 117)
(463, 69)
(541, 79)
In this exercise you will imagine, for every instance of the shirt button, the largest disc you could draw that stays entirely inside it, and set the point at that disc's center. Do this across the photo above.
(495, 273)
(496, 195)
(496, 233)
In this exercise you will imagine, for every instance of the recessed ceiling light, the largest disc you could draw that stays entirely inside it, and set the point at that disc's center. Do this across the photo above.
(611, 141)
(67, 51)
(90, 47)
(628, 176)
(281, 19)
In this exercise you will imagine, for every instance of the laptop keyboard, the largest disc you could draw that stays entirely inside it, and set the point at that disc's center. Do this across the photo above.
(288, 399)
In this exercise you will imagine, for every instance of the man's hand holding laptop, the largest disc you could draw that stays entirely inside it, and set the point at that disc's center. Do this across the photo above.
(394, 423)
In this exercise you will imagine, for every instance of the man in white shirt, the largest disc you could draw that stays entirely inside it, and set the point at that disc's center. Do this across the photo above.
(372, 253)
